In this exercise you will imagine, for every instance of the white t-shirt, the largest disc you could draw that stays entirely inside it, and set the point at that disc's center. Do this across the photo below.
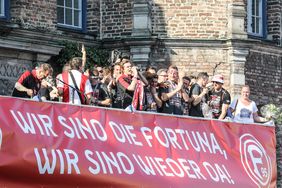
(243, 113)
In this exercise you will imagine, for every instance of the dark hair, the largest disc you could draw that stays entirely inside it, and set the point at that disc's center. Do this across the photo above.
(47, 67)
(93, 72)
(150, 76)
(150, 67)
(186, 78)
(202, 75)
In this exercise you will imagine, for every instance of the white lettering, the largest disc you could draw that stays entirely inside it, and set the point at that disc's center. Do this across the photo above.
(116, 129)
(70, 132)
(147, 169)
(26, 128)
(147, 137)
(132, 135)
(42, 169)
(47, 124)
(170, 161)
(71, 160)
(95, 170)
(212, 174)
(157, 129)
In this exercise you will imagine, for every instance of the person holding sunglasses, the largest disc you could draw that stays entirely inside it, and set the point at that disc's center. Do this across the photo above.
(218, 98)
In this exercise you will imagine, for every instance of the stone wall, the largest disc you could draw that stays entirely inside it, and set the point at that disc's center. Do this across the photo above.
(12, 64)
(274, 8)
(199, 19)
(116, 19)
(35, 15)
(193, 60)
(263, 72)
(93, 16)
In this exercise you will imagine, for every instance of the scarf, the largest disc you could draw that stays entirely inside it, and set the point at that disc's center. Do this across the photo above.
(138, 96)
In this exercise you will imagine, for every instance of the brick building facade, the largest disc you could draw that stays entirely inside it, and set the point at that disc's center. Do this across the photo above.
(216, 36)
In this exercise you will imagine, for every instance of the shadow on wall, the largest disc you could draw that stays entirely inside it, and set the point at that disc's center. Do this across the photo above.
(160, 53)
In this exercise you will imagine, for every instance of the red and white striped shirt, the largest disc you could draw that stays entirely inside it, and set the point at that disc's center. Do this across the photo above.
(70, 95)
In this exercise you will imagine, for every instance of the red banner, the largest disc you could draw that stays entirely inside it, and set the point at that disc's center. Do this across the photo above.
(62, 145)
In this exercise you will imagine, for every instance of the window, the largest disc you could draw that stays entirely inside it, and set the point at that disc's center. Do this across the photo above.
(256, 17)
(4, 7)
(70, 13)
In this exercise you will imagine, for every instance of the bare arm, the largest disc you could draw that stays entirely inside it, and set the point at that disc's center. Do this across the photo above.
(259, 119)
(156, 97)
(143, 79)
(106, 102)
(83, 51)
(20, 87)
(198, 98)
(223, 111)
(167, 96)
(133, 83)
(88, 98)
(185, 96)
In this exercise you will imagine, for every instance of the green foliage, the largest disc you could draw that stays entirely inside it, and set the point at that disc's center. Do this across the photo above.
(272, 111)
(94, 56)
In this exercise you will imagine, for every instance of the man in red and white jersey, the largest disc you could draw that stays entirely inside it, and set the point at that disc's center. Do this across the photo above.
(73, 85)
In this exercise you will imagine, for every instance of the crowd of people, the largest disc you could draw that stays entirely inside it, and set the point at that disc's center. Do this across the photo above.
(123, 86)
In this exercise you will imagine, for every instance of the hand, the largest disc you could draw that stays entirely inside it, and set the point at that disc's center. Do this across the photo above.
(29, 92)
(44, 83)
(54, 93)
(180, 84)
(134, 71)
(153, 90)
(153, 105)
(181, 74)
(205, 91)
(83, 49)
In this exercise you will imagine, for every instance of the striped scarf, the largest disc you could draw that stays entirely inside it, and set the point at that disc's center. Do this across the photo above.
(138, 96)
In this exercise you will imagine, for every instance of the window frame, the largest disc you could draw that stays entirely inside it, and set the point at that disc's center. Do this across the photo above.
(261, 15)
(82, 19)
(5, 10)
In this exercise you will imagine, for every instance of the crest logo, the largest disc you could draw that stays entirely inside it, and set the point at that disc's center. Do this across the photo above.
(255, 161)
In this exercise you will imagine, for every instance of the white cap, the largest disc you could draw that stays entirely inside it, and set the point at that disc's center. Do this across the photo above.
(218, 78)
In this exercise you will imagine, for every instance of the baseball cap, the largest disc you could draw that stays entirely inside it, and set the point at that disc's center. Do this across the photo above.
(218, 78)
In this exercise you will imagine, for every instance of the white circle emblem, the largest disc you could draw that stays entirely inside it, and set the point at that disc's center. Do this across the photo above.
(255, 161)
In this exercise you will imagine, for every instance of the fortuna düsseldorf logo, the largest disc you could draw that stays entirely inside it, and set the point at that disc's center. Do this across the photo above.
(255, 161)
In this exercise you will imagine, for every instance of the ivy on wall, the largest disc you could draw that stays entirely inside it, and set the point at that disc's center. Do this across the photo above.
(94, 56)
